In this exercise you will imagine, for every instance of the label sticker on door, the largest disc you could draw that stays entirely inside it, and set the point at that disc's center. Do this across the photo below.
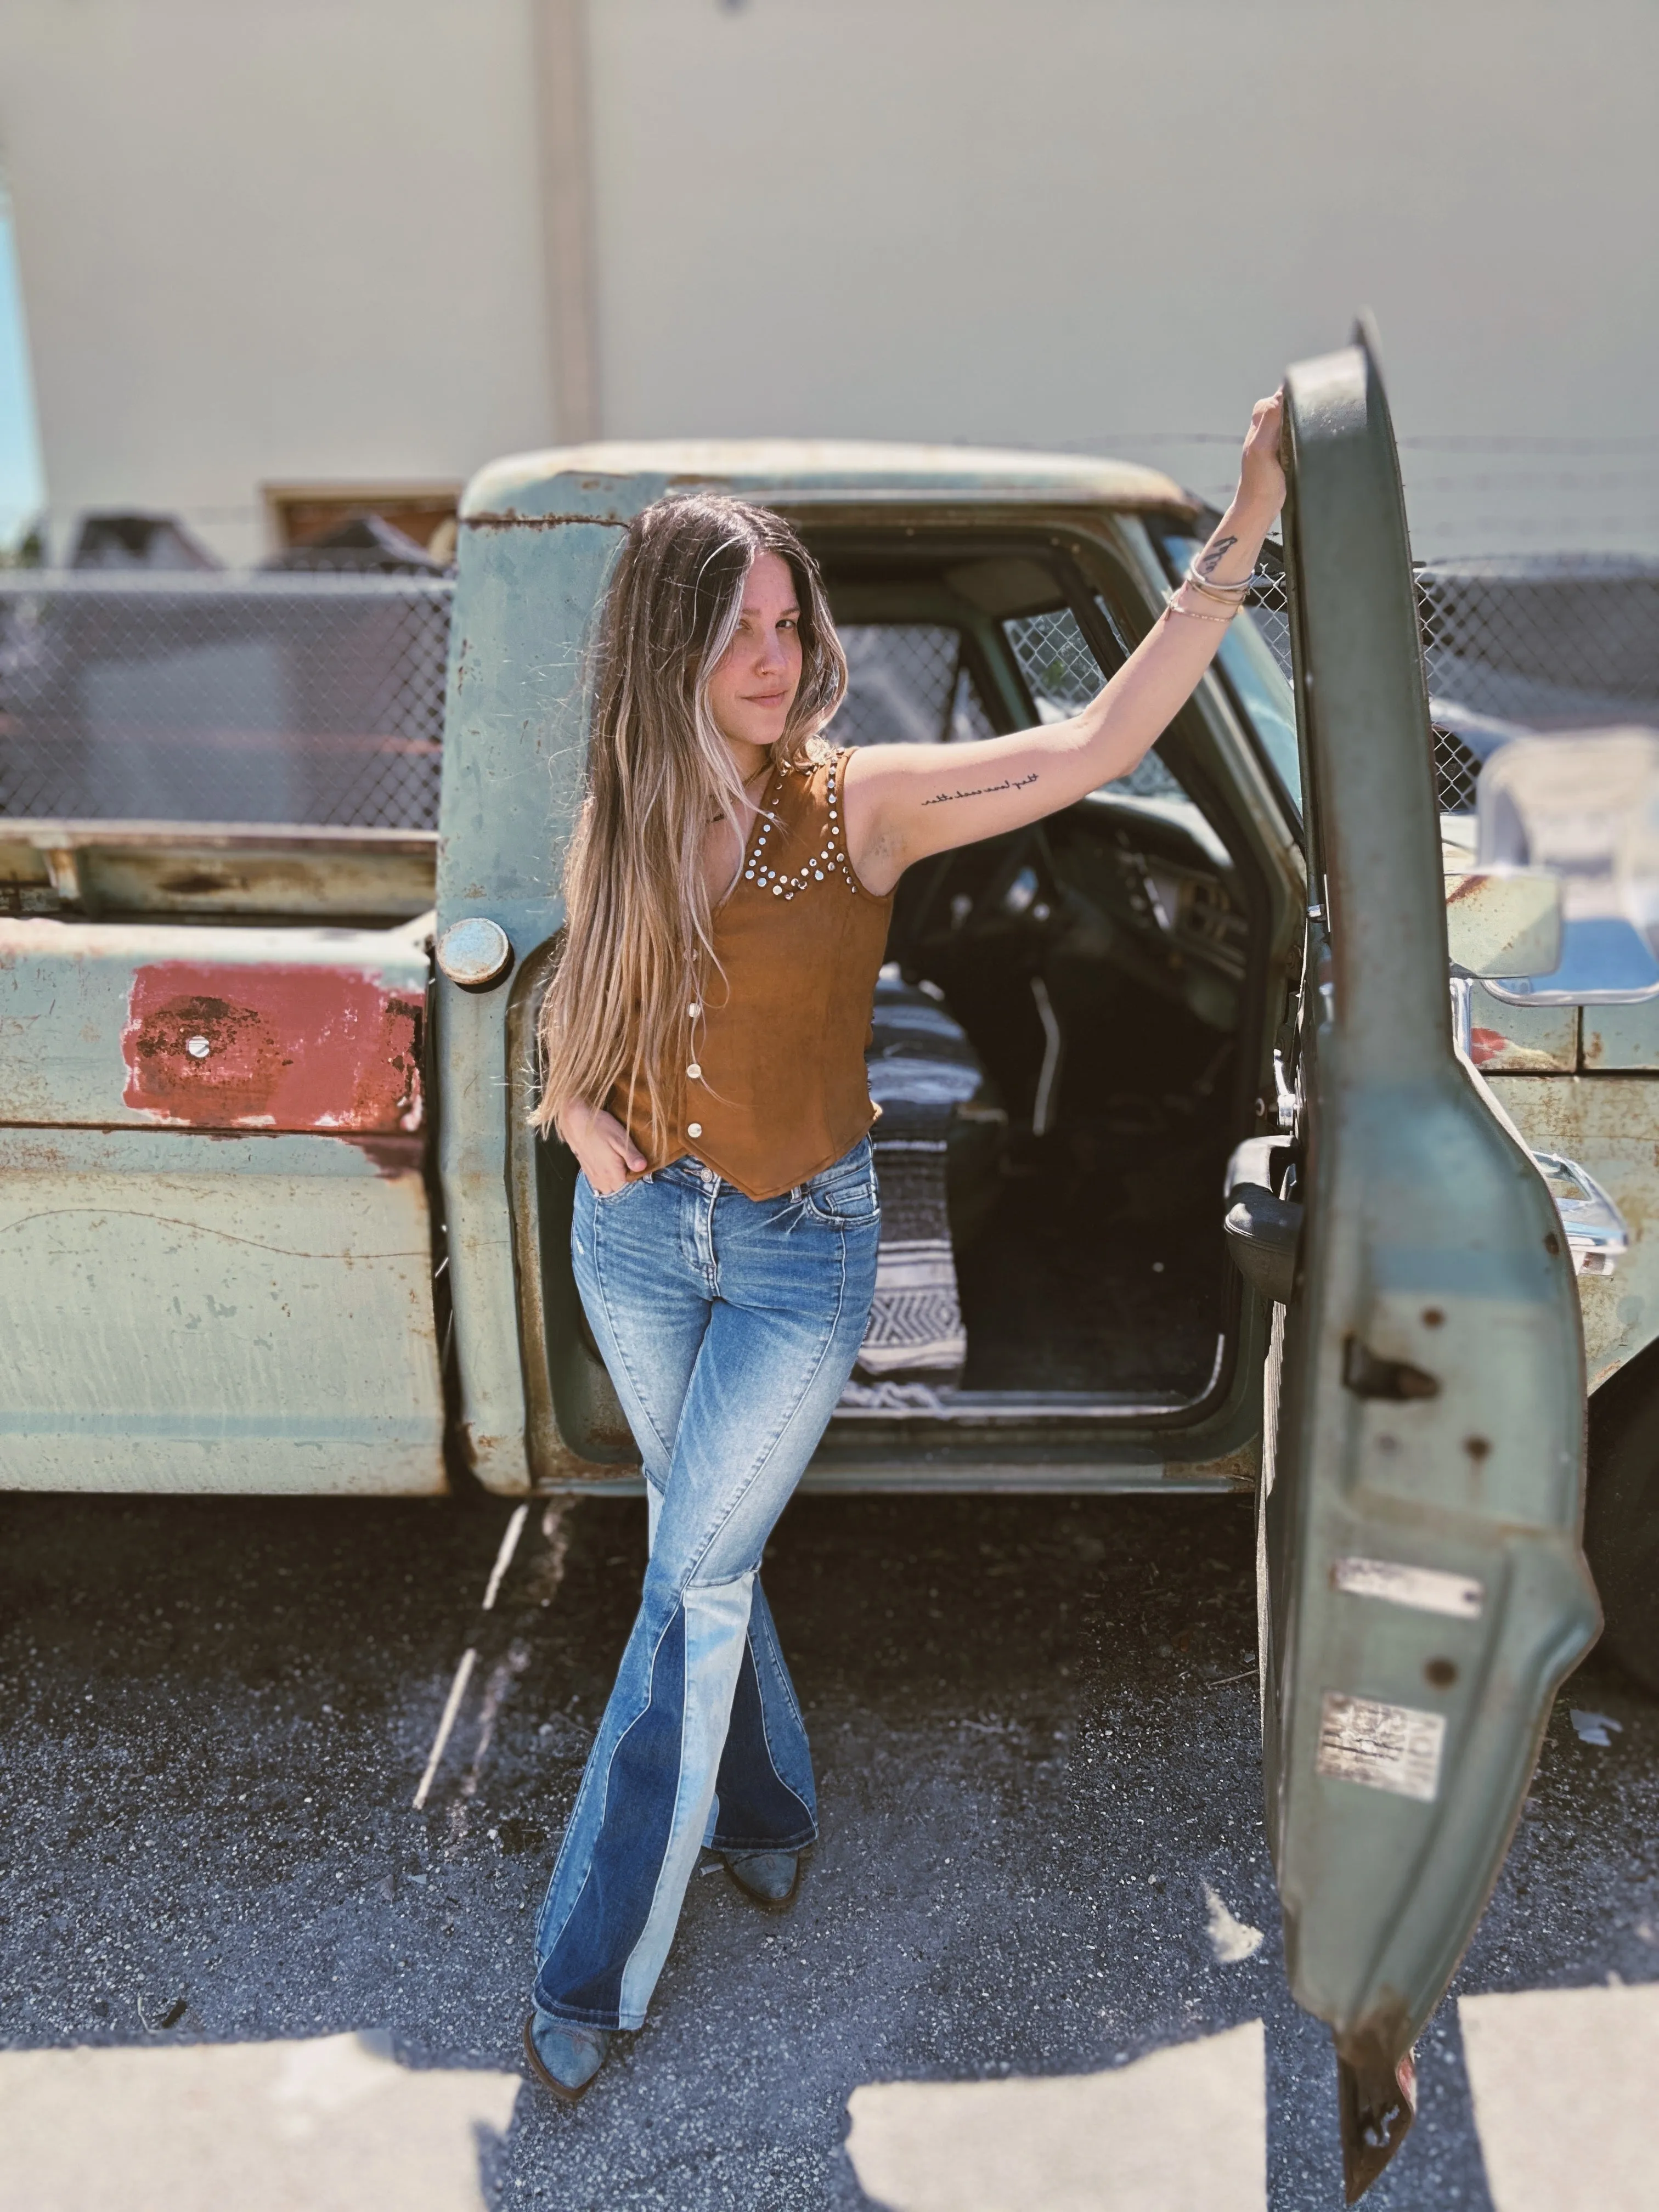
(1393, 1747)
(1425, 1590)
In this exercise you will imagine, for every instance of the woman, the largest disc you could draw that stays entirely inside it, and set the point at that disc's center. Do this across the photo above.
(728, 890)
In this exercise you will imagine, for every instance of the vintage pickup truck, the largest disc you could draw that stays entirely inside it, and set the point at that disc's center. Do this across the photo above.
(272, 1218)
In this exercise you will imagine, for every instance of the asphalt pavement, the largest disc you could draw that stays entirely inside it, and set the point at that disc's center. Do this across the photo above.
(1042, 1867)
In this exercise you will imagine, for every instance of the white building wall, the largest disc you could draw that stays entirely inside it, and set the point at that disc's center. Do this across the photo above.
(302, 239)
(1068, 222)
(273, 240)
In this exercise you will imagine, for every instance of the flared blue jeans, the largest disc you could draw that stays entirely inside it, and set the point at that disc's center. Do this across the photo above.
(729, 1325)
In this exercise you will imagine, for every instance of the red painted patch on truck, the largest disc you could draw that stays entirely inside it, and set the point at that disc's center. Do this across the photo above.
(282, 1047)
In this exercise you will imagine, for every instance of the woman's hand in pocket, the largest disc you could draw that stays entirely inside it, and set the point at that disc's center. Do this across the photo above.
(605, 1153)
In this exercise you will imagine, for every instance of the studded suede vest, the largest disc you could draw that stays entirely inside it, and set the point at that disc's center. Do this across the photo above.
(771, 1087)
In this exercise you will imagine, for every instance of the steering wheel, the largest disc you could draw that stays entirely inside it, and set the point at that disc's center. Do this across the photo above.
(1023, 893)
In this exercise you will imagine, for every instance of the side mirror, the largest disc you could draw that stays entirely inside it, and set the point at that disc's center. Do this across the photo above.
(1584, 807)
(1504, 921)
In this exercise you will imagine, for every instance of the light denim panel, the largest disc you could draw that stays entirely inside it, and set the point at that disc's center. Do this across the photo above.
(729, 1325)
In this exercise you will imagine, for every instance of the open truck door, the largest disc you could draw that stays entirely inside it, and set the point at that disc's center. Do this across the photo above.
(1422, 1589)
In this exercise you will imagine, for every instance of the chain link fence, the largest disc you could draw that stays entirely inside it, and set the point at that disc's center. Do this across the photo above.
(908, 682)
(1062, 675)
(1520, 643)
(245, 698)
(319, 699)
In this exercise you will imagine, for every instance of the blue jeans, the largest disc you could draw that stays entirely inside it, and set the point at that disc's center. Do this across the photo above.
(729, 1325)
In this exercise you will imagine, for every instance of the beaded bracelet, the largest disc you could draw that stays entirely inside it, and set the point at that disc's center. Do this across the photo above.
(1172, 601)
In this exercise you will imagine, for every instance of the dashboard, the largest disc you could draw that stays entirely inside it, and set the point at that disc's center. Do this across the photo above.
(1164, 882)
(1176, 880)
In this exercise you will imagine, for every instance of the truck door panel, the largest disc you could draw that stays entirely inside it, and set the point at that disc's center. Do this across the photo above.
(215, 1248)
(1423, 1588)
(516, 746)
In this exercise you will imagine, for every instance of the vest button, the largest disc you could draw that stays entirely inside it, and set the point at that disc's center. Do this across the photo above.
(694, 1129)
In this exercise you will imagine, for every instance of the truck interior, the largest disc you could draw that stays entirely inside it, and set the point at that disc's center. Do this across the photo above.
(1091, 978)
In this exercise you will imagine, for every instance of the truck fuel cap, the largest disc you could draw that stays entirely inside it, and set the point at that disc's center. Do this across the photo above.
(475, 953)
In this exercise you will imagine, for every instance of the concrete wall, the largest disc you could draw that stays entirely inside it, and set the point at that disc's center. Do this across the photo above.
(273, 239)
(1066, 221)
(302, 239)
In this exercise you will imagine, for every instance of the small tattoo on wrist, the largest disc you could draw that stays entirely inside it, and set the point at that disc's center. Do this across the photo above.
(1212, 555)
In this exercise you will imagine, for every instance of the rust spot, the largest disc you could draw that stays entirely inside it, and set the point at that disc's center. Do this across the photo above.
(392, 1156)
(284, 1047)
(1375, 2094)
(510, 521)
(1368, 1375)
(195, 884)
(1242, 1467)
(1441, 1672)
(1552, 1244)
(1432, 1318)
(1478, 1447)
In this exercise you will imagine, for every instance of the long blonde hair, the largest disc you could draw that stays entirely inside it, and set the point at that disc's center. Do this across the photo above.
(637, 911)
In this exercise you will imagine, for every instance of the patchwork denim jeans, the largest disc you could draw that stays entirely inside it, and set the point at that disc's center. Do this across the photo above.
(729, 1325)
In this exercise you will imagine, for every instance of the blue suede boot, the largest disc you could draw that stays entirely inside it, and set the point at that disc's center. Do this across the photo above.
(769, 1878)
(563, 2057)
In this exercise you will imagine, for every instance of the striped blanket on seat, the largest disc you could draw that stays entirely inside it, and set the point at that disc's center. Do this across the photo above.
(922, 1068)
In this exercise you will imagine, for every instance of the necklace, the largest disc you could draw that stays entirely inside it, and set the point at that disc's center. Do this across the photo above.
(830, 861)
(763, 771)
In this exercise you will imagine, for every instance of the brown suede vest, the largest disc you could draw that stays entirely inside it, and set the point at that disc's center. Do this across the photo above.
(772, 1086)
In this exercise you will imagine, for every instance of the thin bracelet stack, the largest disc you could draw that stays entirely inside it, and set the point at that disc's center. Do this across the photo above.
(1231, 596)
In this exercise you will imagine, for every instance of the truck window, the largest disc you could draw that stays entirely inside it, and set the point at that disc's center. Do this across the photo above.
(1254, 663)
(1062, 674)
(907, 682)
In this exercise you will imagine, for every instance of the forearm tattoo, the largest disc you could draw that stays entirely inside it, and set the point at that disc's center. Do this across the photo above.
(1214, 554)
(982, 790)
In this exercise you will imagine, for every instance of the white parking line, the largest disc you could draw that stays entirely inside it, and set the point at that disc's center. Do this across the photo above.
(1563, 2082)
(509, 1544)
(504, 1552)
(452, 1707)
(333, 2125)
(1183, 2130)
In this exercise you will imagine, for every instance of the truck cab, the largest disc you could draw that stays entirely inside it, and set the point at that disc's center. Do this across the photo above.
(1074, 1029)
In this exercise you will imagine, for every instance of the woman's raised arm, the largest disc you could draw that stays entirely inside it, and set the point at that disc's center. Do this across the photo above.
(904, 802)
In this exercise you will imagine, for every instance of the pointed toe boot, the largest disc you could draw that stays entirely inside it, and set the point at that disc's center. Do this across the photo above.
(563, 2057)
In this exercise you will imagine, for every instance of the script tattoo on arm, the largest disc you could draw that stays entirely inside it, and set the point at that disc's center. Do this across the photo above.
(1213, 555)
(982, 790)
